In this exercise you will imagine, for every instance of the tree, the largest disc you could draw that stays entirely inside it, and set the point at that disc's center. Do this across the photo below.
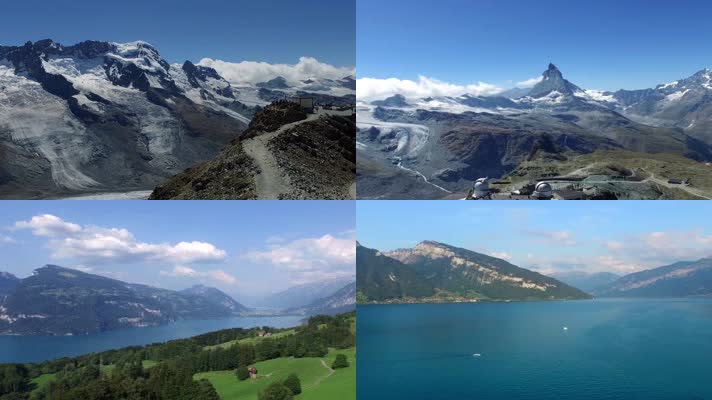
(242, 373)
(275, 391)
(293, 383)
(340, 362)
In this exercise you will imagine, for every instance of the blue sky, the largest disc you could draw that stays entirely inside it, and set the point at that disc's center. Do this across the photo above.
(243, 248)
(274, 31)
(618, 237)
(603, 44)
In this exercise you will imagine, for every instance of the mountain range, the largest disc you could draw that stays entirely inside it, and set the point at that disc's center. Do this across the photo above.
(303, 295)
(429, 147)
(100, 116)
(681, 279)
(341, 301)
(588, 282)
(433, 271)
(62, 301)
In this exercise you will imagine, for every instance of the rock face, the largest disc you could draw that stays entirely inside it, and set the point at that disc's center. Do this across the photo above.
(553, 81)
(100, 116)
(62, 301)
(433, 269)
(406, 143)
(315, 157)
(687, 278)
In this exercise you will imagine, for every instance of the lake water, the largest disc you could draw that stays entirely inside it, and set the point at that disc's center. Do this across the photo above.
(612, 349)
(39, 348)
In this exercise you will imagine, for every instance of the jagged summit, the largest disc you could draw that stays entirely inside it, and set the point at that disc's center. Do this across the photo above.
(553, 81)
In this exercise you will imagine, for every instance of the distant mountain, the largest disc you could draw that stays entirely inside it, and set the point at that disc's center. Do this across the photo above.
(216, 296)
(62, 301)
(343, 300)
(687, 278)
(440, 270)
(8, 282)
(393, 101)
(553, 81)
(303, 295)
(586, 281)
(435, 147)
(276, 83)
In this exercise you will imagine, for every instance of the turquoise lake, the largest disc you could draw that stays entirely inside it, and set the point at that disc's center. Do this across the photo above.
(610, 349)
(18, 349)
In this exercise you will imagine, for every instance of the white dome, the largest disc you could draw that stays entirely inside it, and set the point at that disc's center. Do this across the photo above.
(542, 190)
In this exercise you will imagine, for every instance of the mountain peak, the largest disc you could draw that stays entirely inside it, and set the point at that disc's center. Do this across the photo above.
(553, 81)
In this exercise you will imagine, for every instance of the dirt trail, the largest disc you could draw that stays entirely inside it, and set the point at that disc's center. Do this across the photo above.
(321, 378)
(692, 191)
(271, 181)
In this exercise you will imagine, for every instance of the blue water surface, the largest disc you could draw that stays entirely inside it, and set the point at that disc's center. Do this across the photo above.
(39, 348)
(610, 349)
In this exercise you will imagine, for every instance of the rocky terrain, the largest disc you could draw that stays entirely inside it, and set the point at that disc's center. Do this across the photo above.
(62, 301)
(102, 118)
(433, 271)
(432, 147)
(284, 154)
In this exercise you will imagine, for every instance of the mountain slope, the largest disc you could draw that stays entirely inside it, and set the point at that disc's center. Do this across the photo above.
(104, 116)
(687, 278)
(474, 275)
(379, 277)
(585, 281)
(284, 154)
(303, 295)
(62, 301)
(8, 282)
(343, 300)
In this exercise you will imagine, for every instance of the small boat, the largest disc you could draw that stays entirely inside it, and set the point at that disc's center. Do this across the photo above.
(566, 328)
(477, 355)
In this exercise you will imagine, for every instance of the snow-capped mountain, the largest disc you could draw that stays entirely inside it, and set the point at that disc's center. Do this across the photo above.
(101, 116)
(429, 147)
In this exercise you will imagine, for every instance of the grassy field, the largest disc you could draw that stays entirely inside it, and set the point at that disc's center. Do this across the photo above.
(42, 380)
(657, 168)
(318, 381)
(252, 340)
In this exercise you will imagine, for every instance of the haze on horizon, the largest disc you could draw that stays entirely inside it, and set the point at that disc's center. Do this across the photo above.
(548, 237)
(486, 46)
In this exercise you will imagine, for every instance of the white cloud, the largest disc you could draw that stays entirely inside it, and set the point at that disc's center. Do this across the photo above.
(217, 275)
(6, 239)
(368, 89)
(251, 72)
(48, 225)
(502, 255)
(311, 259)
(530, 82)
(93, 243)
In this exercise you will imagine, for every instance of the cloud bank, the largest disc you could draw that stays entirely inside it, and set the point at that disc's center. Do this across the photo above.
(218, 275)
(252, 72)
(369, 89)
(311, 259)
(99, 244)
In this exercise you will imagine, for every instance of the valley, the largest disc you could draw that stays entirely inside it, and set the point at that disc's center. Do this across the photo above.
(425, 148)
(113, 120)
